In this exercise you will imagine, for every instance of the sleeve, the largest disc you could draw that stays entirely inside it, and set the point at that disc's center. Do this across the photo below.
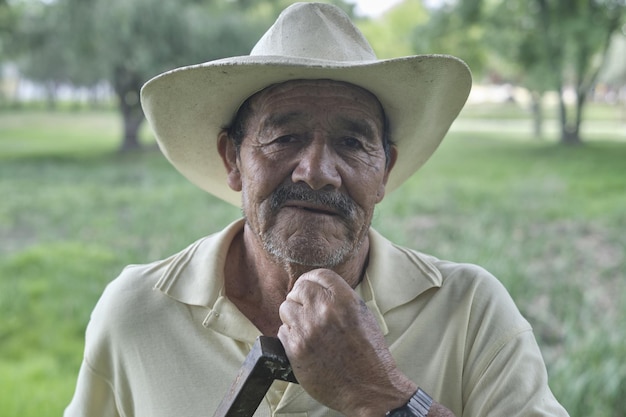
(503, 372)
(509, 378)
(514, 383)
(94, 396)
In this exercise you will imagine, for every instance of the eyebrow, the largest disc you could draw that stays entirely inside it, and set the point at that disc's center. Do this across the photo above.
(280, 119)
(362, 127)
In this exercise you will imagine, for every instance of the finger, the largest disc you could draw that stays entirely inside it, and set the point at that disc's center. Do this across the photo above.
(297, 344)
(311, 279)
(293, 296)
(306, 291)
(292, 340)
(288, 311)
(283, 333)
(326, 279)
(320, 281)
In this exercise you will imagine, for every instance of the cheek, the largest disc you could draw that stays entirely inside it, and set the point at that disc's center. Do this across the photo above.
(259, 181)
(367, 188)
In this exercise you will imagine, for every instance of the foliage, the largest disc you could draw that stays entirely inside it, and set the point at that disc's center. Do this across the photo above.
(390, 35)
(82, 42)
(7, 22)
(139, 39)
(542, 44)
(42, 31)
(126, 43)
(614, 73)
(447, 32)
(547, 220)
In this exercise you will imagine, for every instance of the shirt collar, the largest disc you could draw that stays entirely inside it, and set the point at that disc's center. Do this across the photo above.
(195, 276)
(397, 275)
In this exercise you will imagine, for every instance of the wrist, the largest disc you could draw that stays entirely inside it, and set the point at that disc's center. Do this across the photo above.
(418, 406)
(378, 401)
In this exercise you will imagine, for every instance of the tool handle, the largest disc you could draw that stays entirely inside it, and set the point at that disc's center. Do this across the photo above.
(266, 362)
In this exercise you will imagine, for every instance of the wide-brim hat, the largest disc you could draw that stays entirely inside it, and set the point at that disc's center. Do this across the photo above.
(189, 106)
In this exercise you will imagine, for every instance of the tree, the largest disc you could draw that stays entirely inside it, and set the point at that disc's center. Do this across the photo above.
(453, 29)
(41, 32)
(82, 42)
(548, 44)
(615, 70)
(133, 41)
(390, 34)
(576, 41)
(7, 23)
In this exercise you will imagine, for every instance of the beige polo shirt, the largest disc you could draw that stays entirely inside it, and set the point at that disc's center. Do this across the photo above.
(165, 341)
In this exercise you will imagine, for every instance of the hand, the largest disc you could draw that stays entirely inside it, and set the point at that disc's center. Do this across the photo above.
(336, 348)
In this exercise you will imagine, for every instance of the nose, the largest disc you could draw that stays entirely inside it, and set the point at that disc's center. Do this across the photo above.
(317, 166)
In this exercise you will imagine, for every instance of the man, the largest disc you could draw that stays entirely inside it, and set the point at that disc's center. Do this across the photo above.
(307, 134)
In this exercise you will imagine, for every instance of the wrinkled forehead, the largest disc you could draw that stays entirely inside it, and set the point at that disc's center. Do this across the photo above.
(290, 93)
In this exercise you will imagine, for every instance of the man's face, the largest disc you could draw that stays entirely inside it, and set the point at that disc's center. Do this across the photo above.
(311, 168)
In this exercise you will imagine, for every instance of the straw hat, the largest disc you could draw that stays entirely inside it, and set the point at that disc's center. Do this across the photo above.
(188, 107)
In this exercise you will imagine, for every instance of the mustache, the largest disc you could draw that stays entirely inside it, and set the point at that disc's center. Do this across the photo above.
(334, 200)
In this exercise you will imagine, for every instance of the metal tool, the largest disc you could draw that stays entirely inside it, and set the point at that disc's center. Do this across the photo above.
(266, 362)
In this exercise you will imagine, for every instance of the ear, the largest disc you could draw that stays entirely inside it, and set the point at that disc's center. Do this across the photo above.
(392, 161)
(228, 153)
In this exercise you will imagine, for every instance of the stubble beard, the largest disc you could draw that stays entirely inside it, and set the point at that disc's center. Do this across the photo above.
(310, 249)
(313, 253)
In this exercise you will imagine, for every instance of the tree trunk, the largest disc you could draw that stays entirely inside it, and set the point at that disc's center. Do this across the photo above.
(537, 113)
(586, 75)
(50, 90)
(127, 87)
(570, 136)
(132, 120)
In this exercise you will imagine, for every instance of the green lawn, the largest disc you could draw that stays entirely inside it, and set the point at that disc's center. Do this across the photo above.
(548, 220)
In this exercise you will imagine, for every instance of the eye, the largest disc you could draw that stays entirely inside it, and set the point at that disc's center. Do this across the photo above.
(351, 142)
(285, 139)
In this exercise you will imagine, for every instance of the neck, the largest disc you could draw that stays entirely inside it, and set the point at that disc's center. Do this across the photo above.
(257, 283)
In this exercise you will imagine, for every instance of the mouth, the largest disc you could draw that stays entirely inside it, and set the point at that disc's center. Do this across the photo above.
(311, 208)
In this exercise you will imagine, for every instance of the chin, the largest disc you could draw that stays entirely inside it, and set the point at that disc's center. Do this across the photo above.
(310, 252)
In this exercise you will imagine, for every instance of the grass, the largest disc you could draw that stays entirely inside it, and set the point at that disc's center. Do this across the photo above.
(547, 220)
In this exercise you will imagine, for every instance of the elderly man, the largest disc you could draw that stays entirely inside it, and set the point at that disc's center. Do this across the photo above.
(306, 134)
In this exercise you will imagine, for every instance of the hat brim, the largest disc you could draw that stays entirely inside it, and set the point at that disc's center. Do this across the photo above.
(188, 107)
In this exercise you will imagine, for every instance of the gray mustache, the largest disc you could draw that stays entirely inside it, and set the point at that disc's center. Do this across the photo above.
(334, 200)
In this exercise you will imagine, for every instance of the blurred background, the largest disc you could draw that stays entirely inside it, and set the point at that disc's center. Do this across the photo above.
(530, 182)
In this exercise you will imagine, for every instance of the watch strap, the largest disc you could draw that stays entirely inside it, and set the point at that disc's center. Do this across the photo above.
(418, 406)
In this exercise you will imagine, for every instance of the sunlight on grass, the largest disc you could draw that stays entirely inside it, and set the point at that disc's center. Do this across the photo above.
(62, 134)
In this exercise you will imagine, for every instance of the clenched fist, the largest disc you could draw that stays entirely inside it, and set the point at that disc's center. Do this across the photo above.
(336, 348)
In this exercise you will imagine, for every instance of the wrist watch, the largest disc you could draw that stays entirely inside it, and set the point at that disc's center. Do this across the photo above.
(417, 406)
